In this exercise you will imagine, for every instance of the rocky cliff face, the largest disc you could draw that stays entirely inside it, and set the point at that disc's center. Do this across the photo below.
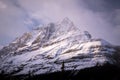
(46, 49)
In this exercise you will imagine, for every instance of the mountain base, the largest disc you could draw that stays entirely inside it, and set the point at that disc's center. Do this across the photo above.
(106, 72)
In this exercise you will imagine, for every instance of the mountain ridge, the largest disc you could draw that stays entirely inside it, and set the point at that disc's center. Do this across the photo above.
(46, 48)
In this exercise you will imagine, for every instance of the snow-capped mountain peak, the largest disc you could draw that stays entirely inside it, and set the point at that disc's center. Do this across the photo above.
(66, 21)
(68, 24)
(44, 49)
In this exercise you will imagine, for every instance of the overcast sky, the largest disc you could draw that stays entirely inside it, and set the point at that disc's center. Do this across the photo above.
(100, 17)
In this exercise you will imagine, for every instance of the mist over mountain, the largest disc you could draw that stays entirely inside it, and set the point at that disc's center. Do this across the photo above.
(57, 47)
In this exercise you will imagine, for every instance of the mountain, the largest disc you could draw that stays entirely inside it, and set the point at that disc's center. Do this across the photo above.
(56, 47)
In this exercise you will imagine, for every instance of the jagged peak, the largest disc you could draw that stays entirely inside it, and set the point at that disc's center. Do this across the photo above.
(67, 25)
(66, 19)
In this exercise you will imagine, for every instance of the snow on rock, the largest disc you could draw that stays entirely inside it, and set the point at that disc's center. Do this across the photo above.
(46, 48)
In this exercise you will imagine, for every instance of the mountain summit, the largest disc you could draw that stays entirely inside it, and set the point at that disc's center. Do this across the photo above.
(47, 48)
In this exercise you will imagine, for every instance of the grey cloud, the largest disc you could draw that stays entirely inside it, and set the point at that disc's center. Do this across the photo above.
(11, 22)
(2, 5)
(99, 17)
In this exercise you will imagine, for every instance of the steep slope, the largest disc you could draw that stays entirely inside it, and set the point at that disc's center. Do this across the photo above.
(48, 48)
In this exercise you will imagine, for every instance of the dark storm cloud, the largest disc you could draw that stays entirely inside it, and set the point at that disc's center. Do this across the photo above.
(113, 4)
(110, 10)
(102, 5)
